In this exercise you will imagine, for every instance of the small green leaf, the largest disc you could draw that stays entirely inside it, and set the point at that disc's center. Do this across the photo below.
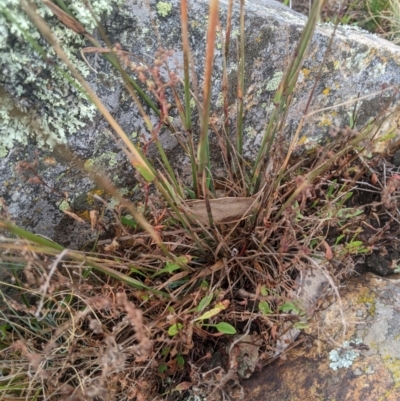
(301, 325)
(137, 271)
(181, 361)
(128, 221)
(263, 291)
(355, 244)
(387, 137)
(165, 351)
(204, 285)
(290, 307)
(330, 189)
(205, 302)
(218, 308)
(162, 368)
(264, 308)
(175, 329)
(225, 328)
(3, 331)
(177, 283)
(315, 203)
(190, 193)
(339, 238)
(347, 213)
(171, 266)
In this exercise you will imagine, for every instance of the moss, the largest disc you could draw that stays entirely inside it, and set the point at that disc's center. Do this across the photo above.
(163, 8)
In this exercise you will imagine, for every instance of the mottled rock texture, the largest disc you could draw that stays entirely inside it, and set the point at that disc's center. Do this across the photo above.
(371, 309)
(357, 65)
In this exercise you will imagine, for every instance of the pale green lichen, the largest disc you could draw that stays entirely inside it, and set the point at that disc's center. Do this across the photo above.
(273, 83)
(36, 99)
(164, 8)
(124, 191)
(251, 132)
(112, 158)
(89, 165)
(220, 100)
(109, 158)
(64, 205)
(232, 67)
(3, 151)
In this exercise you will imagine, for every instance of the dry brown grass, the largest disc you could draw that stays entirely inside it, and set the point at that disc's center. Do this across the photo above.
(75, 334)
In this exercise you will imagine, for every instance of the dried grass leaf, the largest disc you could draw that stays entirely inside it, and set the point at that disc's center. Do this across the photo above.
(224, 210)
(74, 216)
(68, 21)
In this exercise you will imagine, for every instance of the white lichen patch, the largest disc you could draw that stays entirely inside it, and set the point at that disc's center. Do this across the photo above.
(343, 357)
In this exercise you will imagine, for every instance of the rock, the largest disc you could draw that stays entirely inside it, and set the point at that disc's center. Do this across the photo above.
(382, 265)
(357, 362)
(359, 65)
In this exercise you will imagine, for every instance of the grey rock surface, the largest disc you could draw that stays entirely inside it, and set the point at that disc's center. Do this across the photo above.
(359, 65)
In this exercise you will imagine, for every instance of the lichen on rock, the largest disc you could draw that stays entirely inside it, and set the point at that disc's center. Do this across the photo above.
(35, 99)
(164, 8)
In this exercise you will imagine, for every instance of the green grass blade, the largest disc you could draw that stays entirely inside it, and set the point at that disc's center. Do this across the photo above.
(77, 256)
(283, 96)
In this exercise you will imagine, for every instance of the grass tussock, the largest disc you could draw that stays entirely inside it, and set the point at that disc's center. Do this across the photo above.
(159, 310)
